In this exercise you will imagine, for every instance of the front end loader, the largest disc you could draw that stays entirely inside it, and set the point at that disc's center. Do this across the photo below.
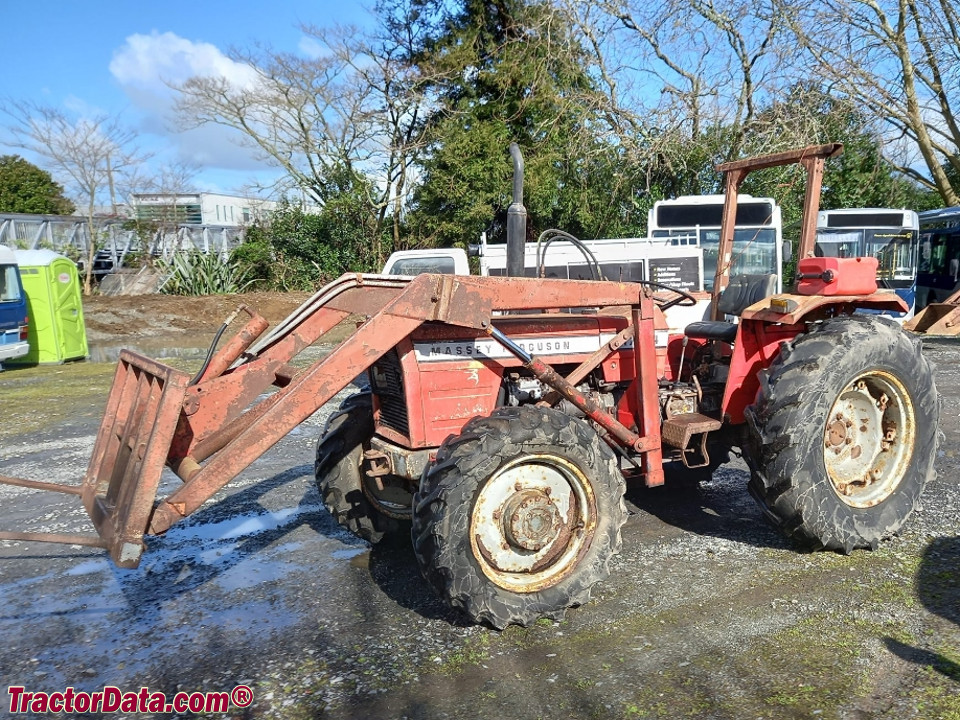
(505, 415)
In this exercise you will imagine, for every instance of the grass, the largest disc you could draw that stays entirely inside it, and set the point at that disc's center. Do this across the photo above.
(38, 398)
(42, 397)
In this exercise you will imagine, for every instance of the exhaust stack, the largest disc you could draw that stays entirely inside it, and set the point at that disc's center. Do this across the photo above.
(516, 219)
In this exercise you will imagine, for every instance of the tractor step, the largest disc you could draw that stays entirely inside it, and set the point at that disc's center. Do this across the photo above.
(679, 430)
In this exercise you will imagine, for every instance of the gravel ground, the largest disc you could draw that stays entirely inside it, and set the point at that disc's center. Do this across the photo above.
(709, 612)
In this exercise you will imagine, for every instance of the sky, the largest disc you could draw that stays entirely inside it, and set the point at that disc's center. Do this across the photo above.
(107, 56)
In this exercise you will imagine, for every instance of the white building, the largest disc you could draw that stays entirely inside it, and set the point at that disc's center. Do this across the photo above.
(200, 208)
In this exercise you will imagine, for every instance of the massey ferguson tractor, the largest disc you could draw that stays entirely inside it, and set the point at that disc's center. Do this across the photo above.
(505, 415)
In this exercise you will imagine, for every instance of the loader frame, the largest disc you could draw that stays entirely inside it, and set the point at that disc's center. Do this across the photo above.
(209, 428)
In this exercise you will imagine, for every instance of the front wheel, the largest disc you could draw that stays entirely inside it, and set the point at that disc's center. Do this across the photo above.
(843, 434)
(519, 516)
(356, 501)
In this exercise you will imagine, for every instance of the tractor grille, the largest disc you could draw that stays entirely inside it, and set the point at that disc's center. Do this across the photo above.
(386, 379)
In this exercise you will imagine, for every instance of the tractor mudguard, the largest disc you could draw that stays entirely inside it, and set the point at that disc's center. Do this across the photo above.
(780, 318)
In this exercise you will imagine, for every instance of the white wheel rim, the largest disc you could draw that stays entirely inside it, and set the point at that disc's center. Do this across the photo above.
(531, 522)
(869, 438)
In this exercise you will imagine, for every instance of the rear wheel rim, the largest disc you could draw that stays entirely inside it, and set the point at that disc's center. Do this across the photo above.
(394, 499)
(869, 439)
(531, 522)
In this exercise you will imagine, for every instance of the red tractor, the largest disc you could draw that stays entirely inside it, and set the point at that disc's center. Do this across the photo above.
(504, 416)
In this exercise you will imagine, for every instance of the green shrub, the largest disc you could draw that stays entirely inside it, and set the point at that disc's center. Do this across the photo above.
(196, 273)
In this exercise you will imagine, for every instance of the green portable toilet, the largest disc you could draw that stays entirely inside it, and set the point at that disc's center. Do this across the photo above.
(52, 286)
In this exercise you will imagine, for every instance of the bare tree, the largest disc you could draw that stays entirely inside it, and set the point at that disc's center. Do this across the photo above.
(396, 107)
(899, 60)
(699, 62)
(357, 107)
(91, 152)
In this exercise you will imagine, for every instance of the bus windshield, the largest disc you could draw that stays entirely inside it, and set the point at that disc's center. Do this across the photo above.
(894, 249)
(695, 220)
(754, 250)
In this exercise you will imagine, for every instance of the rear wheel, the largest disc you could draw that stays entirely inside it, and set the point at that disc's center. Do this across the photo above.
(519, 516)
(843, 434)
(357, 501)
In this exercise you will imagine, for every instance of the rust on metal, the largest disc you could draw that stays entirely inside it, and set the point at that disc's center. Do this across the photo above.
(647, 391)
(235, 347)
(39, 485)
(591, 363)
(942, 318)
(812, 158)
(802, 306)
(59, 538)
(590, 407)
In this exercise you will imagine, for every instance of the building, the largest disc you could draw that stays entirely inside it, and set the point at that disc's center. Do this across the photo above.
(200, 208)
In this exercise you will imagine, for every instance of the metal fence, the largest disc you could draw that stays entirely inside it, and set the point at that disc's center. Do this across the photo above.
(70, 235)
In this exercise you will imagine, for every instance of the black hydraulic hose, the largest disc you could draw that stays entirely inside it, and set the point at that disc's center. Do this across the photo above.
(588, 255)
(213, 346)
(206, 363)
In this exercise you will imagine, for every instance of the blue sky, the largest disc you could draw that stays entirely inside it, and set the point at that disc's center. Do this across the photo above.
(114, 57)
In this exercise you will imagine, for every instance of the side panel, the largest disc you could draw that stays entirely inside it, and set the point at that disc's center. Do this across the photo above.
(431, 385)
(755, 347)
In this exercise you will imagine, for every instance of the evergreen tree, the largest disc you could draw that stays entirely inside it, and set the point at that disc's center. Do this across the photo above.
(25, 188)
(508, 71)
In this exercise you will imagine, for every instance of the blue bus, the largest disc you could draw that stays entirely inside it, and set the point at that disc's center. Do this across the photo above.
(13, 309)
(938, 274)
(889, 235)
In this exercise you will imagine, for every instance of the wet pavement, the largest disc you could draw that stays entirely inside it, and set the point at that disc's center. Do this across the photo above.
(709, 612)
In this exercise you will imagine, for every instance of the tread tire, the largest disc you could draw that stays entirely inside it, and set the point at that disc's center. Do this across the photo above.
(786, 434)
(451, 486)
(337, 469)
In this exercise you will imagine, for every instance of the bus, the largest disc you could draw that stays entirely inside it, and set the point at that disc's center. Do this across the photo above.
(695, 220)
(938, 273)
(891, 236)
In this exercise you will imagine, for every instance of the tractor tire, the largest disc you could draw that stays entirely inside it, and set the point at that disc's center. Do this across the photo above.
(339, 473)
(519, 516)
(843, 435)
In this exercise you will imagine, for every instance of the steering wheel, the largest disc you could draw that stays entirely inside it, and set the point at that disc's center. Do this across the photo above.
(683, 299)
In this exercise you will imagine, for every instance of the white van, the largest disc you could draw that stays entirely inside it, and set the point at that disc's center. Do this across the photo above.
(445, 261)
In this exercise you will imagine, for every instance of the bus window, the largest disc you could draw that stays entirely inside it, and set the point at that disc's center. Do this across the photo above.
(696, 219)
(938, 274)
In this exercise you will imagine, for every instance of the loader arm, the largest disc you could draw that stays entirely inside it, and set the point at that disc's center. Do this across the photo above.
(210, 428)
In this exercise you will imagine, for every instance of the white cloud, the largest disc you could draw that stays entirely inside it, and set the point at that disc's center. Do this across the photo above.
(147, 66)
(157, 60)
(311, 47)
(80, 107)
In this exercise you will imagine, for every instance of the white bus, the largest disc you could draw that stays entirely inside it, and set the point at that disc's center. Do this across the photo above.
(695, 220)
(890, 235)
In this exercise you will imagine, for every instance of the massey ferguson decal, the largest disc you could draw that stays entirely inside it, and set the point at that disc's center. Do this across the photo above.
(483, 348)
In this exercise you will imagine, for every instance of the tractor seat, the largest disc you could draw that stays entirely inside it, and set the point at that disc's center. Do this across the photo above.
(742, 292)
